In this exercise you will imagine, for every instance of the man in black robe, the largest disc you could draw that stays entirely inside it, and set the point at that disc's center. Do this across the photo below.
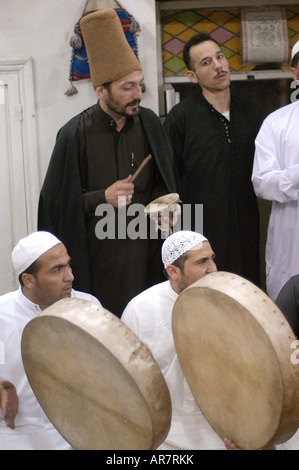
(212, 135)
(288, 302)
(88, 191)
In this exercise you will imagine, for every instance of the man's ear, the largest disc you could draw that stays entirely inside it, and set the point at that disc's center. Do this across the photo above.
(192, 76)
(28, 280)
(99, 90)
(294, 73)
(173, 272)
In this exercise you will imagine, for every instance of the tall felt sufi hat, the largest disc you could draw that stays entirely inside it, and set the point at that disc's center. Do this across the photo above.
(109, 54)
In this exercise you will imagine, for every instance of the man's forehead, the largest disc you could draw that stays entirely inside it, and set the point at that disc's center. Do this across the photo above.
(205, 48)
(199, 246)
(202, 249)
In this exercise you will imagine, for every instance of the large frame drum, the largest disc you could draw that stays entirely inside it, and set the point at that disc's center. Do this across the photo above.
(234, 346)
(96, 381)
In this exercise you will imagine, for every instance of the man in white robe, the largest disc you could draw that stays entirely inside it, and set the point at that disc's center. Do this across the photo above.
(275, 177)
(187, 256)
(42, 264)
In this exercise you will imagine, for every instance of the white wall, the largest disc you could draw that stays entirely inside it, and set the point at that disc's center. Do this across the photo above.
(41, 29)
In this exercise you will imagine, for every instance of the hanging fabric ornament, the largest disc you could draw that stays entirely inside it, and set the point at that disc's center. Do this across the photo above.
(76, 41)
(79, 66)
(77, 60)
(130, 27)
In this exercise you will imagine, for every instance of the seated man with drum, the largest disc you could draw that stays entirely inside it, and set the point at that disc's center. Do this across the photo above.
(187, 256)
(42, 264)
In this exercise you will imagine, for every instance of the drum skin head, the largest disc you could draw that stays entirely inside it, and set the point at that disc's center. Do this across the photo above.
(162, 203)
(234, 347)
(95, 380)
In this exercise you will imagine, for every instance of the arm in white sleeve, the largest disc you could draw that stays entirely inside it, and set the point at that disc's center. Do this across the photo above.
(269, 180)
(129, 318)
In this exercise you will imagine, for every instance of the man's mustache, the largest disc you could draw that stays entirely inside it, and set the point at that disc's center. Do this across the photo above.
(221, 72)
(132, 103)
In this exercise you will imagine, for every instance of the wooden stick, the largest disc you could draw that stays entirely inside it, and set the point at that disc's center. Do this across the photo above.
(142, 165)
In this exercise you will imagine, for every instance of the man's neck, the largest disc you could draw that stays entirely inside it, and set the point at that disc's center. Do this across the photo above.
(28, 294)
(118, 118)
(175, 287)
(120, 122)
(220, 100)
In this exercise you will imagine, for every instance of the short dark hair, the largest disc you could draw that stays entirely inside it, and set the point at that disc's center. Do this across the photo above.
(107, 85)
(295, 60)
(180, 263)
(197, 39)
(32, 269)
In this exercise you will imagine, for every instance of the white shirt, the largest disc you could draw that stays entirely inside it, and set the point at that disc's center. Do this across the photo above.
(33, 430)
(275, 177)
(149, 316)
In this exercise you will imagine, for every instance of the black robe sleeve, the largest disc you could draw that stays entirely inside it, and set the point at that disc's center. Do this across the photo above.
(160, 147)
(288, 302)
(61, 210)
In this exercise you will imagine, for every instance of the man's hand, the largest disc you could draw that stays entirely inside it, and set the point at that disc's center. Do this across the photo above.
(9, 402)
(120, 193)
(171, 217)
(230, 445)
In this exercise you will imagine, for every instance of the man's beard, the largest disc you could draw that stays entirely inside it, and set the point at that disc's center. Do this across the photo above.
(122, 110)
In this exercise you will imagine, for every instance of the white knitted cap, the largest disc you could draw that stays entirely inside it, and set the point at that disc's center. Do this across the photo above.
(295, 49)
(178, 243)
(30, 248)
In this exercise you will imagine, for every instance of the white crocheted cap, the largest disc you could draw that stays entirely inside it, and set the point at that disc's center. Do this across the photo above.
(179, 243)
(295, 49)
(30, 248)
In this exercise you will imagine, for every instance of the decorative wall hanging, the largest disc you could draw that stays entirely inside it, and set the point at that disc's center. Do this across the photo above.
(79, 66)
(264, 35)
